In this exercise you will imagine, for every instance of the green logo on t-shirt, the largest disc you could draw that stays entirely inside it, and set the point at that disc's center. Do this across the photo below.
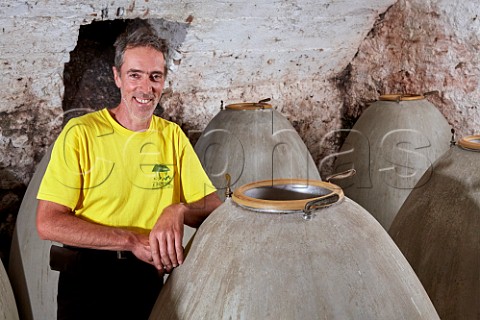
(160, 168)
(162, 176)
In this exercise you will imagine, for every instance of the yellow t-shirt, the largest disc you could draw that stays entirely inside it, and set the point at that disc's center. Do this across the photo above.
(113, 176)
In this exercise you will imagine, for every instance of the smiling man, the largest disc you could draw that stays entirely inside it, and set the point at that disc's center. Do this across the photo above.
(120, 185)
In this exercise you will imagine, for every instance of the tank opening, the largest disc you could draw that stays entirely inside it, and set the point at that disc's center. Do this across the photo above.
(470, 142)
(286, 192)
(286, 195)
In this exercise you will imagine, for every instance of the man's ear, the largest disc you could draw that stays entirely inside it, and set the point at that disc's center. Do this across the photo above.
(116, 77)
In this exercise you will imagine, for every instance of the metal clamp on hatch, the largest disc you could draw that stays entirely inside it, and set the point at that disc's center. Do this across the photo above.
(328, 199)
(228, 190)
(323, 202)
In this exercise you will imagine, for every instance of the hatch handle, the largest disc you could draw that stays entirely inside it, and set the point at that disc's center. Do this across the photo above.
(320, 203)
(228, 191)
(341, 175)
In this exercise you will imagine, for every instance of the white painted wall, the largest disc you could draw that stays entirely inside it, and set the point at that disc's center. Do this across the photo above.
(321, 63)
(233, 50)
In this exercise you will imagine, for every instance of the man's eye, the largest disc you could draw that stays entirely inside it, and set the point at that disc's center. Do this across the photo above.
(157, 77)
(134, 75)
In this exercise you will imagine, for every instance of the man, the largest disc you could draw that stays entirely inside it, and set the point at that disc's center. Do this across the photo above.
(120, 185)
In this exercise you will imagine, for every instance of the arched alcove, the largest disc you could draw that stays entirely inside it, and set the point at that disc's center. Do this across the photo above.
(88, 76)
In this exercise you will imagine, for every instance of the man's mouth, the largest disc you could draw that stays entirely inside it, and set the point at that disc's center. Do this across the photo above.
(142, 101)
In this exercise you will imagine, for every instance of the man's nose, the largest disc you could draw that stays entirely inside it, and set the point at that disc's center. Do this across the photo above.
(146, 85)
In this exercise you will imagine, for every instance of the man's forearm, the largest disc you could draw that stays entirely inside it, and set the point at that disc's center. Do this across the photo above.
(57, 223)
(198, 211)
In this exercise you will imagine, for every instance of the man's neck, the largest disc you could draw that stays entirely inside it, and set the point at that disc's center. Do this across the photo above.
(119, 115)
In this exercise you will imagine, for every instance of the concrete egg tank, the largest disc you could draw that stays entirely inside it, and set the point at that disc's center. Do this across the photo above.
(392, 144)
(35, 285)
(252, 142)
(438, 231)
(8, 307)
(292, 249)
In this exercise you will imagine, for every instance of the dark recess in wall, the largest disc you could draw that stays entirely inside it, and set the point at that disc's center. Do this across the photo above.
(88, 76)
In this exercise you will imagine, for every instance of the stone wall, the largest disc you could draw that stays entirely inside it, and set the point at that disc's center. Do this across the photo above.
(231, 51)
(422, 46)
(320, 61)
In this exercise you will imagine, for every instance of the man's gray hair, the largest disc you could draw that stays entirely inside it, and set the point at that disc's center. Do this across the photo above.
(142, 36)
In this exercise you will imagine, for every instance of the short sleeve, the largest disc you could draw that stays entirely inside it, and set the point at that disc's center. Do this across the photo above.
(195, 182)
(62, 181)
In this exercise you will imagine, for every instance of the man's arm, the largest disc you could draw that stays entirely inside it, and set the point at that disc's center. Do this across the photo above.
(198, 211)
(167, 234)
(58, 223)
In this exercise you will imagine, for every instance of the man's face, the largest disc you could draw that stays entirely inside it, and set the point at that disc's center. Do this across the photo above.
(140, 80)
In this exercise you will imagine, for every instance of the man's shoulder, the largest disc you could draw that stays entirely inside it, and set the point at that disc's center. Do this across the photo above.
(170, 130)
(94, 120)
(163, 124)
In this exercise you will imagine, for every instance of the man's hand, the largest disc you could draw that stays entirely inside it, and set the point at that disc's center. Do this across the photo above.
(142, 249)
(166, 238)
(167, 235)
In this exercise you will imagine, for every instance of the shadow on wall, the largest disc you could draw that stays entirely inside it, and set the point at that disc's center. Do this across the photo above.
(88, 76)
(10, 200)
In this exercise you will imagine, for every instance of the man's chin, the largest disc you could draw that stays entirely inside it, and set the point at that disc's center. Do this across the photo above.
(139, 112)
(142, 114)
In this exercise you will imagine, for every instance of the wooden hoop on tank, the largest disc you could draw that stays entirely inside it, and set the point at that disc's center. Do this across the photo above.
(249, 106)
(401, 97)
(244, 200)
(470, 142)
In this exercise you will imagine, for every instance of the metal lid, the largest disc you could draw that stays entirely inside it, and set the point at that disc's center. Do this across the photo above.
(249, 106)
(470, 142)
(287, 195)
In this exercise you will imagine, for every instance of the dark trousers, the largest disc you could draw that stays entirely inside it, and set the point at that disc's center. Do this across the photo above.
(98, 284)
